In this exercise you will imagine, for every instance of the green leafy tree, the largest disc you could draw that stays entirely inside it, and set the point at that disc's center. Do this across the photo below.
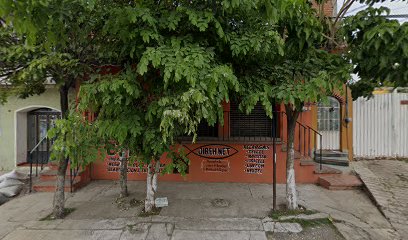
(378, 47)
(305, 72)
(48, 40)
(178, 60)
(176, 73)
(375, 44)
(320, 52)
(182, 51)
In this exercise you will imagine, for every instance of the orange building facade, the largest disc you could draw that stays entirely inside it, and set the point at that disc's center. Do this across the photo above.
(245, 154)
(242, 149)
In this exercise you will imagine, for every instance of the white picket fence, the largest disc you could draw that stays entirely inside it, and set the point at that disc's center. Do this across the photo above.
(380, 128)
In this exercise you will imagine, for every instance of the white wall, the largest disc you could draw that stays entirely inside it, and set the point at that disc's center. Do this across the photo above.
(381, 126)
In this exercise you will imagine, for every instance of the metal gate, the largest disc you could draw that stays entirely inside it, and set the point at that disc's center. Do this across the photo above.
(380, 128)
(328, 123)
(38, 123)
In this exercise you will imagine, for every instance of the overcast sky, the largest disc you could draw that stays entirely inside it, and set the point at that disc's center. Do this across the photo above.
(397, 7)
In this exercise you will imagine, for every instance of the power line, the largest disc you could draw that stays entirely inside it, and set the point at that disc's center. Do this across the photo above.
(387, 16)
(396, 16)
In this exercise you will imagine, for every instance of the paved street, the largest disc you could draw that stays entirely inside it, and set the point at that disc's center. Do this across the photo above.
(196, 211)
(387, 181)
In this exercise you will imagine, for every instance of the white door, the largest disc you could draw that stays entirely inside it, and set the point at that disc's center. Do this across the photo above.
(328, 124)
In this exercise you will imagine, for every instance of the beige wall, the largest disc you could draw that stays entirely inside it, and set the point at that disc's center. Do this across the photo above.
(13, 139)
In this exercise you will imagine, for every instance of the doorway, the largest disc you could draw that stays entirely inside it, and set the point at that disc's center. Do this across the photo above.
(328, 124)
(39, 121)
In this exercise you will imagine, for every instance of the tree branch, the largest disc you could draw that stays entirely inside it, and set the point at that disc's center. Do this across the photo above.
(343, 10)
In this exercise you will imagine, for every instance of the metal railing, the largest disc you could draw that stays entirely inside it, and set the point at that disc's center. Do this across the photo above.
(38, 153)
(73, 173)
(316, 134)
(306, 149)
(39, 157)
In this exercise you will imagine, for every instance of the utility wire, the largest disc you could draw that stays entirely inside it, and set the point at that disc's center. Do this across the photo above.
(387, 16)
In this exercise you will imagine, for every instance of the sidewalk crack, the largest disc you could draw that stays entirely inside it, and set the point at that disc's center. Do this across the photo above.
(250, 191)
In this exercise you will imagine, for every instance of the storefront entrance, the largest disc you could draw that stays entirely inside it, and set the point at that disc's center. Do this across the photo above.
(39, 122)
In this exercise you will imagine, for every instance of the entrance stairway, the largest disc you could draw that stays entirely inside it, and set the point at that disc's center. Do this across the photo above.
(43, 174)
(340, 182)
(329, 169)
(330, 177)
(74, 180)
(332, 157)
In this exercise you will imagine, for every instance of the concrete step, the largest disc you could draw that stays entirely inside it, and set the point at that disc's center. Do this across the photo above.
(340, 182)
(54, 166)
(331, 153)
(51, 175)
(50, 186)
(340, 161)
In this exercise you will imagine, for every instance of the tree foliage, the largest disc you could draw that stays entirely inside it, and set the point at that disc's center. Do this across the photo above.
(49, 41)
(177, 61)
(153, 70)
(378, 48)
(176, 68)
(66, 140)
(305, 72)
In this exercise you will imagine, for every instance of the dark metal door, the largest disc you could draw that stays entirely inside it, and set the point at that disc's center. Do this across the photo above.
(38, 123)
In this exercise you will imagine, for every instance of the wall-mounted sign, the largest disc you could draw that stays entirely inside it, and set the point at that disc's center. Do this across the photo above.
(113, 163)
(214, 151)
(404, 102)
(215, 165)
(255, 156)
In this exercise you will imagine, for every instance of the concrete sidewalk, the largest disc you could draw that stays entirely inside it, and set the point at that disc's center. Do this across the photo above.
(387, 182)
(194, 212)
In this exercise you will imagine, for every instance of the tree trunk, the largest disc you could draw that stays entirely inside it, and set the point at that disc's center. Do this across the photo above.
(59, 196)
(123, 174)
(151, 185)
(291, 195)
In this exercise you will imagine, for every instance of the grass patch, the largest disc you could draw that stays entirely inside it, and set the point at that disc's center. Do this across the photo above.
(277, 214)
(51, 217)
(155, 211)
(306, 223)
(403, 160)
